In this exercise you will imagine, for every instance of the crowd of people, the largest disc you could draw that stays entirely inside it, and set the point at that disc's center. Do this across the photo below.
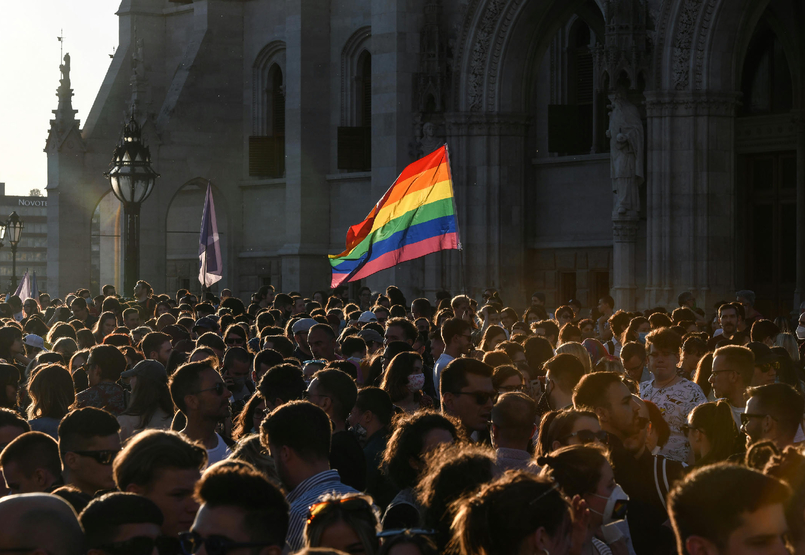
(289, 424)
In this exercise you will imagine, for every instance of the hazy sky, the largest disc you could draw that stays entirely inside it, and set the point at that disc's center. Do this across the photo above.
(29, 73)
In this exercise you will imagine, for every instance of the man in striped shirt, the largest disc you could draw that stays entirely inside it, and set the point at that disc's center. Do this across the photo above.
(297, 435)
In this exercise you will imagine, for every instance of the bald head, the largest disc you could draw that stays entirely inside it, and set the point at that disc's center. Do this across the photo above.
(514, 418)
(38, 521)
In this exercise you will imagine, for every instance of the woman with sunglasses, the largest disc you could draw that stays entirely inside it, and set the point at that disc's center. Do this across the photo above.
(712, 433)
(403, 381)
(508, 378)
(517, 513)
(584, 471)
(347, 523)
(560, 428)
(236, 336)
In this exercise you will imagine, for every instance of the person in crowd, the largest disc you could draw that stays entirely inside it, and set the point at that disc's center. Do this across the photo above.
(731, 318)
(346, 523)
(9, 385)
(731, 375)
(298, 437)
(40, 523)
(586, 471)
(322, 342)
(577, 350)
(199, 392)
(712, 433)
(702, 376)
(121, 522)
(89, 441)
(281, 384)
(103, 367)
(605, 394)
(52, 394)
(235, 370)
(31, 464)
(250, 418)
(493, 336)
(150, 406)
(568, 427)
(674, 395)
(335, 392)
(242, 509)
(400, 329)
(562, 373)
(370, 421)
(516, 513)
(450, 472)
(414, 436)
(467, 393)
(728, 509)
(512, 426)
(508, 378)
(164, 467)
(773, 412)
(157, 346)
(263, 362)
(633, 357)
(404, 380)
(457, 339)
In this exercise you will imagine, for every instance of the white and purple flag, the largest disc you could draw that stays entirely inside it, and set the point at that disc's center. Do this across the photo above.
(209, 249)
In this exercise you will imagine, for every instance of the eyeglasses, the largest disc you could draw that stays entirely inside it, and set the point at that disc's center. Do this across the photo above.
(139, 545)
(588, 436)
(352, 503)
(480, 397)
(745, 417)
(104, 456)
(510, 388)
(686, 429)
(235, 340)
(219, 389)
(406, 531)
(191, 542)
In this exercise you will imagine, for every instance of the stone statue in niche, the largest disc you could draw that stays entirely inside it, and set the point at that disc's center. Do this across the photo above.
(429, 141)
(626, 140)
(65, 69)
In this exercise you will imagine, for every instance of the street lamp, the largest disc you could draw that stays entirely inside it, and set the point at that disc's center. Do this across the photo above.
(132, 180)
(13, 232)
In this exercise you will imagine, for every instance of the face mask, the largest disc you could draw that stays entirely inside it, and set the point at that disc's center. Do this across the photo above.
(615, 508)
(641, 336)
(801, 333)
(415, 382)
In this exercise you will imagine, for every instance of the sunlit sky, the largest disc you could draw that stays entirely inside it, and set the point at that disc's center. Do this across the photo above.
(29, 73)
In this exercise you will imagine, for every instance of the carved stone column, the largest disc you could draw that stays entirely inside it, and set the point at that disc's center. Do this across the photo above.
(624, 289)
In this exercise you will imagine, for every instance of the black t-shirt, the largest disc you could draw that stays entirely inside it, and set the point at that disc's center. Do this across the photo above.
(740, 338)
(346, 456)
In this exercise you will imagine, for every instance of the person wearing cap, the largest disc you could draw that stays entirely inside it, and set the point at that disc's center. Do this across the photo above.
(205, 324)
(300, 330)
(34, 345)
(365, 318)
(374, 341)
(150, 407)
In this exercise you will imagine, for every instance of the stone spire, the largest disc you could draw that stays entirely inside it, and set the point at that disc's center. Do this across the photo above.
(65, 114)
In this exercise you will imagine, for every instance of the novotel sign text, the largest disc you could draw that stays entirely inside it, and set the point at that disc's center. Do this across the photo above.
(29, 202)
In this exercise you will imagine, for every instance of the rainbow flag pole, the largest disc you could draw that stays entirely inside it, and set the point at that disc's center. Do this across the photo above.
(415, 217)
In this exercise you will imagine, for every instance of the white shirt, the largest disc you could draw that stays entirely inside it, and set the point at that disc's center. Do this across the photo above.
(443, 361)
(219, 452)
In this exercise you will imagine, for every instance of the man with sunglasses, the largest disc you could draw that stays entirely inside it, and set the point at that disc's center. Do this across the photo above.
(240, 510)
(121, 524)
(468, 394)
(773, 412)
(512, 427)
(201, 394)
(89, 441)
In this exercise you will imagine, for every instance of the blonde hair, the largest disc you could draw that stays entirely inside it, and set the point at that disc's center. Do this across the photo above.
(363, 522)
(577, 350)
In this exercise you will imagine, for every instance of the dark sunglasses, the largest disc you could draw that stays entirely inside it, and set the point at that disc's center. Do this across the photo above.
(480, 397)
(191, 542)
(352, 503)
(219, 389)
(139, 545)
(588, 436)
(747, 416)
(510, 388)
(104, 457)
(686, 429)
(234, 340)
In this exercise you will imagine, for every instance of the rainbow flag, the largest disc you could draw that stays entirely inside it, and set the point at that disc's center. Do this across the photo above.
(416, 216)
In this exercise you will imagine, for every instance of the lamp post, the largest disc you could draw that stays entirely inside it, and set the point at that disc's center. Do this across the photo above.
(13, 232)
(132, 180)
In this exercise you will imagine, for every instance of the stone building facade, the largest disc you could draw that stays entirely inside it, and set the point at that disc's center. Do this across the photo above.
(301, 114)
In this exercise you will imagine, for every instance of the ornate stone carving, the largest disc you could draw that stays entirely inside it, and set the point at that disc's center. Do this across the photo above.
(428, 141)
(434, 76)
(626, 46)
(498, 124)
(691, 104)
(480, 50)
(683, 41)
(626, 156)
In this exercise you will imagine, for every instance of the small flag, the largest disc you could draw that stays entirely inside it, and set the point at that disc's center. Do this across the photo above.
(24, 288)
(209, 249)
(416, 216)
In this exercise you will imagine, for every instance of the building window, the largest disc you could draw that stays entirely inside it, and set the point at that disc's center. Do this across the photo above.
(766, 81)
(355, 132)
(267, 141)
